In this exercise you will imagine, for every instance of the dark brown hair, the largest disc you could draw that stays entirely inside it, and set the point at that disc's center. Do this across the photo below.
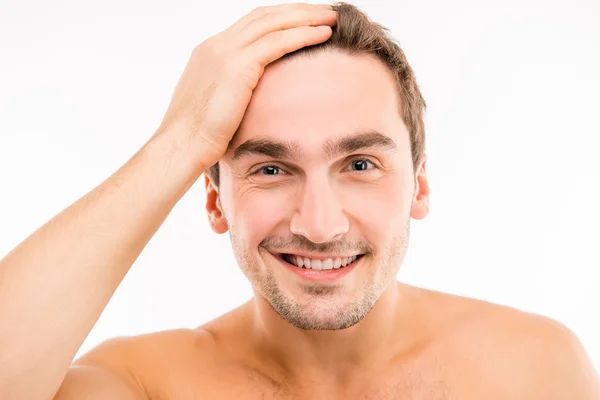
(356, 34)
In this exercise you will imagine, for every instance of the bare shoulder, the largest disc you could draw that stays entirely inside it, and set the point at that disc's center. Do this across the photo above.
(519, 355)
(150, 362)
(137, 351)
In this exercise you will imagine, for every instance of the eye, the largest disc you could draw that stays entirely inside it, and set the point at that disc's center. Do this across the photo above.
(268, 170)
(360, 164)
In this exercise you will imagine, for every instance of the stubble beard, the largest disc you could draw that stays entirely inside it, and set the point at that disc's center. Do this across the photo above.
(332, 316)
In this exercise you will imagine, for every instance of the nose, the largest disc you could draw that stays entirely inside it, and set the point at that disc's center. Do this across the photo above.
(319, 216)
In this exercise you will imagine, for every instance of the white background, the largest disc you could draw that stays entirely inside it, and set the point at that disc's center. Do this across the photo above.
(512, 126)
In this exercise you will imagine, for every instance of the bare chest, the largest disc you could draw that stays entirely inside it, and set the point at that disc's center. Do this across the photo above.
(408, 382)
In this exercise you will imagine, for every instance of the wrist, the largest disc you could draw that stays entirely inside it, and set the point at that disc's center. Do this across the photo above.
(184, 148)
(176, 158)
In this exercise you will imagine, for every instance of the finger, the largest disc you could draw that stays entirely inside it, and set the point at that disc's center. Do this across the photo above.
(276, 44)
(262, 11)
(240, 30)
(286, 20)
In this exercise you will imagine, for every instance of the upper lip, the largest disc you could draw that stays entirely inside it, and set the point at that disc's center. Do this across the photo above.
(317, 256)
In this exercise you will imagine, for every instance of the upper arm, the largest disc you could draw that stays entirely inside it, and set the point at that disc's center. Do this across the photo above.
(103, 373)
(88, 382)
(522, 356)
(543, 359)
(564, 369)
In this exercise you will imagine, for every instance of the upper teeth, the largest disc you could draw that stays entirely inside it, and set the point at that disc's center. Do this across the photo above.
(320, 264)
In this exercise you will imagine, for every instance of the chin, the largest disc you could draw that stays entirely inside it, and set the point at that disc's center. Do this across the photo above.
(309, 312)
(324, 321)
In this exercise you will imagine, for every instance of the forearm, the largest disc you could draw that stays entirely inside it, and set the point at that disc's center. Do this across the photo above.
(57, 282)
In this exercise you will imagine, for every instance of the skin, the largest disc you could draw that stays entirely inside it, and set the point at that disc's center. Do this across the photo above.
(317, 205)
(411, 343)
(472, 350)
(397, 341)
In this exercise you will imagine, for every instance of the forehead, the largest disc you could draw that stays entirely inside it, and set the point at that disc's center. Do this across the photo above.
(310, 99)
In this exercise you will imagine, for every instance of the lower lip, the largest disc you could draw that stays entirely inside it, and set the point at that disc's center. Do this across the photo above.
(315, 275)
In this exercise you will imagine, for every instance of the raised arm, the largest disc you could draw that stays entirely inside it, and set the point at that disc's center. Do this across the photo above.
(56, 283)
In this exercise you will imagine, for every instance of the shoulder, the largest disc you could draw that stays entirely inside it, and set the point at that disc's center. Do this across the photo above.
(519, 354)
(139, 349)
(548, 355)
(149, 361)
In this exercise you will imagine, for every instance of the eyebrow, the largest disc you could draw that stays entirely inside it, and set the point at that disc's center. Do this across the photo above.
(362, 140)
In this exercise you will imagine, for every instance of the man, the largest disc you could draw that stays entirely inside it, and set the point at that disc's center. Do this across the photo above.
(314, 161)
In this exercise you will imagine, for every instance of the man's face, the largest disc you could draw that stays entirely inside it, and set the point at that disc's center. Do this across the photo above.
(324, 169)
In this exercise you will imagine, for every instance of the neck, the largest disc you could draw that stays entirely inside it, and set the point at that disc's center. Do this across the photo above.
(334, 356)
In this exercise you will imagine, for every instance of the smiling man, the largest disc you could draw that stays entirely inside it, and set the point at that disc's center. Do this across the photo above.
(317, 190)
(318, 185)
(316, 145)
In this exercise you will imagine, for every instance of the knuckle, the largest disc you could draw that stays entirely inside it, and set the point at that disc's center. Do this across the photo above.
(309, 17)
(276, 36)
(198, 49)
(242, 70)
(259, 11)
(270, 18)
(210, 42)
(213, 51)
(313, 21)
(211, 47)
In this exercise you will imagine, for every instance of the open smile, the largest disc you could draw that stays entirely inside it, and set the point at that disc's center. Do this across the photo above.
(319, 270)
(320, 264)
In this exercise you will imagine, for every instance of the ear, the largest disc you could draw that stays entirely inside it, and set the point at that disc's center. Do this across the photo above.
(420, 205)
(216, 218)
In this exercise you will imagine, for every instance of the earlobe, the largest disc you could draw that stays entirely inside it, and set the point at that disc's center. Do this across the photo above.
(216, 218)
(420, 205)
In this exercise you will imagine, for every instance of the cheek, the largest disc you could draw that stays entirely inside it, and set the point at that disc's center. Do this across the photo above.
(257, 213)
(380, 205)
